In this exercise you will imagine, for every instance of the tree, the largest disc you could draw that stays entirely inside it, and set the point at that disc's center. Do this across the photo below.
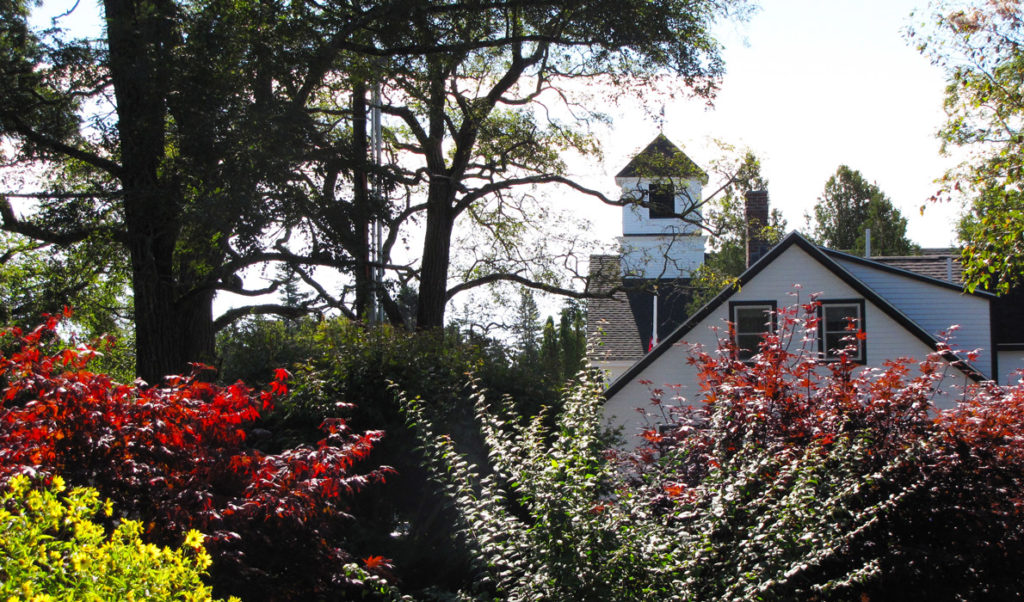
(527, 329)
(201, 135)
(154, 139)
(849, 206)
(572, 338)
(550, 358)
(979, 44)
(727, 222)
(477, 120)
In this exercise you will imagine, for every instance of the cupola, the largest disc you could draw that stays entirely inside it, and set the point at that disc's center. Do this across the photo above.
(661, 236)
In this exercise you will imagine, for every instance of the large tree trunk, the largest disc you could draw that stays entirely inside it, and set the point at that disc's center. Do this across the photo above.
(436, 258)
(170, 330)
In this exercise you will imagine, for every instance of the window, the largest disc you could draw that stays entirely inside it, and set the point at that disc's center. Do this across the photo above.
(751, 321)
(661, 197)
(842, 327)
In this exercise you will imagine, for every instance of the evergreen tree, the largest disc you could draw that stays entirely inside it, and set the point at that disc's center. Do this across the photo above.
(726, 217)
(572, 338)
(849, 206)
(550, 353)
(527, 329)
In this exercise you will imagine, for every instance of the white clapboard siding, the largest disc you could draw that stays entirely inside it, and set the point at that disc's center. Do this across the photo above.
(789, 278)
(1010, 365)
(934, 308)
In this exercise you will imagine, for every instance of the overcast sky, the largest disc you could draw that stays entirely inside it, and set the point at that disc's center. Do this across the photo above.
(810, 85)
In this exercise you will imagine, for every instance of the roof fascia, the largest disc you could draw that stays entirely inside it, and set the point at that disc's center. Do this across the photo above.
(839, 271)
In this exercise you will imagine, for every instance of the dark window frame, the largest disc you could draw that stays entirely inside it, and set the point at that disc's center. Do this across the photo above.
(744, 354)
(862, 344)
(661, 200)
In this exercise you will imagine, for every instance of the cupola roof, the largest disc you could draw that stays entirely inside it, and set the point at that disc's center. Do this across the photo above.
(662, 159)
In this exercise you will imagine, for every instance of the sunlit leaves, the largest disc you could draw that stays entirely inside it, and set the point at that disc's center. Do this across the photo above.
(176, 457)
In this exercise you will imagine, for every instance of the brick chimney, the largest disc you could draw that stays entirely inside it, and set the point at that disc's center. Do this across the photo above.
(757, 219)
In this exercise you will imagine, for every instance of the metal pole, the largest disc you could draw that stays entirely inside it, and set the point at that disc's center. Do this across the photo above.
(376, 228)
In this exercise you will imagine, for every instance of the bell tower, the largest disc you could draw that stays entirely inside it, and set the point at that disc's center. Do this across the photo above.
(661, 238)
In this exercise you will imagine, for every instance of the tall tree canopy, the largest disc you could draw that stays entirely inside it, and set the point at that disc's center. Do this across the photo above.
(849, 206)
(203, 137)
(162, 138)
(979, 43)
(488, 119)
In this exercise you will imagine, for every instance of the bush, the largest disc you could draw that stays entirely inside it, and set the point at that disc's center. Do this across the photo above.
(176, 458)
(536, 519)
(831, 481)
(405, 519)
(788, 480)
(51, 550)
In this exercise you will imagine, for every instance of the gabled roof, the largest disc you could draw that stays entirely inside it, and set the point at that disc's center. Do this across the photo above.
(933, 269)
(619, 327)
(662, 159)
(793, 238)
(611, 328)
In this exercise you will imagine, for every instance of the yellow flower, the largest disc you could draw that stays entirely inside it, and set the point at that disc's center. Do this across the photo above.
(194, 539)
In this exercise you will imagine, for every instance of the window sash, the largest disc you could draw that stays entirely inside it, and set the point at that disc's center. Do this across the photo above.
(661, 198)
(750, 323)
(835, 318)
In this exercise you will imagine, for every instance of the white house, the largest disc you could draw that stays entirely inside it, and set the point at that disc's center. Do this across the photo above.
(900, 303)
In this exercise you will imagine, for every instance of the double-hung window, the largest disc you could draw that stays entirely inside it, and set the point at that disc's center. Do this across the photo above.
(751, 320)
(661, 199)
(841, 328)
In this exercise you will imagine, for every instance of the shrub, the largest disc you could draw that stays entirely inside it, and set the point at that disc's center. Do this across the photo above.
(787, 480)
(51, 550)
(405, 519)
(536, 519)
(176, 458)
(810, 481)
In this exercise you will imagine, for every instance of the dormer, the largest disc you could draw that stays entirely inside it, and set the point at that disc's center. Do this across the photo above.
(668, 183)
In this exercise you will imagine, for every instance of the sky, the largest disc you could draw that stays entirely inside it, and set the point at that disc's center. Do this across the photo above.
(811, 85)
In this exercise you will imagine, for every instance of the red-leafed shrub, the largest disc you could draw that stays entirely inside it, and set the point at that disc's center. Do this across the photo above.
(839, 481)
(175, 456)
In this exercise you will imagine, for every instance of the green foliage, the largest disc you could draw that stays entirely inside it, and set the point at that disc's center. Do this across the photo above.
(725, 216)
(533, 521)
(53, 550)
(37, 279)
(789, 481)
(355, 363)
(572, 338)
(250, 350)
(849, 206)
(526, 328)
(979, 44)
(550, 358)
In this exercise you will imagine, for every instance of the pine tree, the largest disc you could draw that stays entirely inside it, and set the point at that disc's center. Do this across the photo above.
(527, 329)
(572, 338)
(550, 353)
